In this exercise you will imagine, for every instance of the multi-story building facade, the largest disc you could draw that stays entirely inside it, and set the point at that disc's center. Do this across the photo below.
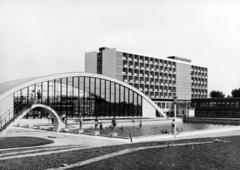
(160, 79)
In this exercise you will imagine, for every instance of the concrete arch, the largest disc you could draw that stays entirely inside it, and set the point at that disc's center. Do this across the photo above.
(15, 86)
(58, 125)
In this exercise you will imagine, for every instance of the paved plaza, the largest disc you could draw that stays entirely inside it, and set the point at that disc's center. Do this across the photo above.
(61, 139)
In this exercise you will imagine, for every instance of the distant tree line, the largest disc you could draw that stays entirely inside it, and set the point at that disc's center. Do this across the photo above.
(236, 92)
(220, 94)
(216, 94)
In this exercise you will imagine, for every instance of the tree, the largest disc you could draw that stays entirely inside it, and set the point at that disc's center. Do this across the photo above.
(236, 92)
(217, 94)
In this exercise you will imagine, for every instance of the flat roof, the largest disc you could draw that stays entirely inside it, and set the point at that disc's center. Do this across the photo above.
(175, 59)
(180, 58)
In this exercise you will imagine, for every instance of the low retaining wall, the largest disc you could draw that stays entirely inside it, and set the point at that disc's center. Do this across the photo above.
(224, 121)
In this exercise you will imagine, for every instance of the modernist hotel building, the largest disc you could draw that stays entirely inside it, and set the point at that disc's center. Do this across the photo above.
(159, 79)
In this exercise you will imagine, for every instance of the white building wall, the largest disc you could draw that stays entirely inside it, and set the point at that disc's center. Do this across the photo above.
(147, 109)
(91, 62)
(119, 66)
(109, 63)
(183, 81)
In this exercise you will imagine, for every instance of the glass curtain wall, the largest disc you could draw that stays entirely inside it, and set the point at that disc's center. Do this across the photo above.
(88, 96)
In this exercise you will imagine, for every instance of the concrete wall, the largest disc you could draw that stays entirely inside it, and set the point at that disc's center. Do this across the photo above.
(147, 109)
(183, 81)
(109, 63)
(119, 66)
(91, 62)
(5, 104)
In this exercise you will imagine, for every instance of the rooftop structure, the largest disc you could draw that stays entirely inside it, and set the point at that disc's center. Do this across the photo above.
(180, 59)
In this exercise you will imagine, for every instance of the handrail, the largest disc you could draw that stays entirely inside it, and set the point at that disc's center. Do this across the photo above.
(12, 108)
(7, 112)
(6, 117)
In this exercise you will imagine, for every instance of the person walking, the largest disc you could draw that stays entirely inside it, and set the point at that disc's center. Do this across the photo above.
(172, 126)
(140, 123)
(96, 122)
(101, 125)
(80, 121)
(66, 121)
(63, 117)
(114, 123)
(38, 96)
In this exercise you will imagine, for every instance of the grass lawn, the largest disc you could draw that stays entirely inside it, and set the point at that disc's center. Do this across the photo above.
(216, 155)
(13, 142)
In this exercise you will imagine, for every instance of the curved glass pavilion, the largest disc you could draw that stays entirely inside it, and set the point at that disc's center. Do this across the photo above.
(77, 93)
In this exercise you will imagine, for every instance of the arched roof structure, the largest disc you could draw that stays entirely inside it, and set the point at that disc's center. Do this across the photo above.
(10, 87)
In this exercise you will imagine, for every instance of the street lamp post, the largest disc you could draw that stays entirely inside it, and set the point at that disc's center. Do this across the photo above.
(175, 115)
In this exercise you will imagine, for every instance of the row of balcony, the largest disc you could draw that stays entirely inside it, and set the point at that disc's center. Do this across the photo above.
(138, 63)
(194, 90)
(149, 79)
(194, 74)
(143, 59)
(195, 96)
(160, 96)
(201, 70)
(152, 85)
(161, 66)
(198, 68)
(147, 74)
(155, 88)
(165, 83)
(199, 80)
(164, 69)
(155, 91)
(199, 85)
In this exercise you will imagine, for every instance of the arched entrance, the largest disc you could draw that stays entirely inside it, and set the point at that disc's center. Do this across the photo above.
(57, 125)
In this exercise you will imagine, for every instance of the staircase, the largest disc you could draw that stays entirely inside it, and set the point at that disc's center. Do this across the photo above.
(14, 114)
(9, 117)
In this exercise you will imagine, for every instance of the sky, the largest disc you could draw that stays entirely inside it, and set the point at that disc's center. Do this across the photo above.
(41, 37)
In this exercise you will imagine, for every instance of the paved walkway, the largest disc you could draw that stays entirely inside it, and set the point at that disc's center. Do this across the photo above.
(29, 152)
(61, 139)
(221, 132)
